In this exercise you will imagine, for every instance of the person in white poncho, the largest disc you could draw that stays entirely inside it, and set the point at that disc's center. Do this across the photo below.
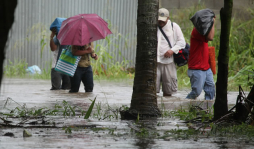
(166, 68)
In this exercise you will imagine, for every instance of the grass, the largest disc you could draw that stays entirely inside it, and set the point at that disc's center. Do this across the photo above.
(15, 69)
(107, 67)
(64, 109)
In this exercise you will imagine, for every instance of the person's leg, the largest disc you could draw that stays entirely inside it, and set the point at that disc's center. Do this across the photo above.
(66, 82)
(158, 78)
(87, 79)
(75, 80)
(197, 79)
(55, 79)
(169, 79)
(209, 86)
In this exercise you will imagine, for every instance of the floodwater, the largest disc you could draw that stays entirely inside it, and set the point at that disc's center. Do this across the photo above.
(100, 131)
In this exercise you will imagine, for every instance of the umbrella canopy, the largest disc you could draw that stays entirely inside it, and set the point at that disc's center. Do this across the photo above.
(57, 24)
(82, 29)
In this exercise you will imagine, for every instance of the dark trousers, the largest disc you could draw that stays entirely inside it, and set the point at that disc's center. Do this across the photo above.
(59, 80)
(84, 74)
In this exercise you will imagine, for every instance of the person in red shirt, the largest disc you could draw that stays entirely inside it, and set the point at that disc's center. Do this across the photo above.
(201, 76)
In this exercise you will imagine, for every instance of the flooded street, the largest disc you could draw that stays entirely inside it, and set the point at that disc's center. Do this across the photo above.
(100, 130)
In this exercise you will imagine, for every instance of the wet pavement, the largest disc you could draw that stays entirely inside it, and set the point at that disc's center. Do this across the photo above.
(36, 92)
(107, 133)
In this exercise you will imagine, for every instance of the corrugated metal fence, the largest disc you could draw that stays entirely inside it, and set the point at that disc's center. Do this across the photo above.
(29, 37)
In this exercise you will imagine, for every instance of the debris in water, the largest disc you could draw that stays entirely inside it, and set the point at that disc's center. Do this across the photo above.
(9, 134)
(26, 134)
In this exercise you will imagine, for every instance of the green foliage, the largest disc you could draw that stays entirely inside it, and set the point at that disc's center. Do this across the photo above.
(192, 113)
(45, 73)
(182, 134)
(182, 78)
(243, 77)
(235, 131)
(107, 67)
(88, 113)
(60, 109)
(43, 44)
(143, 133)
(68, 129)
(15, 69)
(106, 112)
(241, 62)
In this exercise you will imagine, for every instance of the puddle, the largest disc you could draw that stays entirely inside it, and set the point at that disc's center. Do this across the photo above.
(108, 133)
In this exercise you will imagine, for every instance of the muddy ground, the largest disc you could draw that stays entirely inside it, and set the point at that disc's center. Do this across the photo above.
(100, 130)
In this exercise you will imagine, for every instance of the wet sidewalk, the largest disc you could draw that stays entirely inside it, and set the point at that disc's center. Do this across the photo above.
(116, 93)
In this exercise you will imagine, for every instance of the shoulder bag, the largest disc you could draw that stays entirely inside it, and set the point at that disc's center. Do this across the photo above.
(67, 63)
(181, 58)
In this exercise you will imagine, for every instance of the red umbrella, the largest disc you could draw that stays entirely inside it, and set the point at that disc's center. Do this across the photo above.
(82, 29)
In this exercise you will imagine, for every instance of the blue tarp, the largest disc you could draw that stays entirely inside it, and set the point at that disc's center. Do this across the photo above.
(57, 23)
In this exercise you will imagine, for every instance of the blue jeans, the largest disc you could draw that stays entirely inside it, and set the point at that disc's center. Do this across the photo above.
(84, 74)
(201, 80)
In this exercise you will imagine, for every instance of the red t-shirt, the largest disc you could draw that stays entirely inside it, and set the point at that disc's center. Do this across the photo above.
(199, 52)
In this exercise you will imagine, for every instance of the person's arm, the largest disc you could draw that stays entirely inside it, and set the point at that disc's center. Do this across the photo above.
(77, 52)
(211, 33)
(180, 41)
(52, 44)
(93, 55)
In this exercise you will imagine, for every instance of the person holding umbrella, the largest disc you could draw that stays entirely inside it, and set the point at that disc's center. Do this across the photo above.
(84, 70)
(58, 80)
(80, 31)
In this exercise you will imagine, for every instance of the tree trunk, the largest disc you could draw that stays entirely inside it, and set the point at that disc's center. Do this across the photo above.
(220, 105)
(144, 99)
(7, 9)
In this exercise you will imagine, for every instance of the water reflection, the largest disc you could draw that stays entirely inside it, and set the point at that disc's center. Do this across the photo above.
(148, 132)
(145, 143)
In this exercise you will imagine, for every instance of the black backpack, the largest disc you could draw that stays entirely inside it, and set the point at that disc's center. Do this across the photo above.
(182, 57)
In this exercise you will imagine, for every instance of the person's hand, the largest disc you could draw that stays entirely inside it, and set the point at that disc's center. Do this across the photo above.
(94, 56)
(89, 50)
(53, 33)
(168, 54)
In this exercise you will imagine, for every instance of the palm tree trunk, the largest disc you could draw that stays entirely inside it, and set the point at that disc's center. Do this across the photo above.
(7, 9)
(144, 99)
(220, 105)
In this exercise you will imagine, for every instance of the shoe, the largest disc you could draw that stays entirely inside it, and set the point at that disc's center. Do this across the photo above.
(191, 98)
(52, 88)
(70, 91)
(164, 94)
(89, 90)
